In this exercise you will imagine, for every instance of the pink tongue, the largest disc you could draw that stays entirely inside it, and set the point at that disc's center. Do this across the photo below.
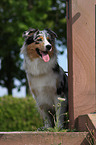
(45, 57)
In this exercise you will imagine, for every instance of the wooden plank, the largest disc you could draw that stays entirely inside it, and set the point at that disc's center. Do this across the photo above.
(88, 123)
(70, 64)
(81, 57)
(43, 138)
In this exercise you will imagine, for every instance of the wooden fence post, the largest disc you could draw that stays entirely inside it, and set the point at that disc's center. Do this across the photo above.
(81, 43)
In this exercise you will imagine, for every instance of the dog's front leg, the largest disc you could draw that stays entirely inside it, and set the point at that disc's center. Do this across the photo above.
(47, 117)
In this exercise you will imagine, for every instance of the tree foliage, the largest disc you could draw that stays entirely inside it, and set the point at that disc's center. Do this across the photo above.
(17, 16)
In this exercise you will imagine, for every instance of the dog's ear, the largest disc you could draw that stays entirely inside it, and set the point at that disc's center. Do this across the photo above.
(29, 32)
(52, 33)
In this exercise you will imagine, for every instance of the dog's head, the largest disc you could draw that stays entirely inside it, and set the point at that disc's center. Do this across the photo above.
(39, 43)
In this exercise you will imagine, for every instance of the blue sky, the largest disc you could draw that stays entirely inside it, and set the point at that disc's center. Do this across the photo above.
(62, 60)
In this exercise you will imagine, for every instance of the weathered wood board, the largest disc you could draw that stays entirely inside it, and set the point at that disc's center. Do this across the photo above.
(81, 29)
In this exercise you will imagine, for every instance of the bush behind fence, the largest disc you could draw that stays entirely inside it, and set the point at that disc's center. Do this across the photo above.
(19, 114)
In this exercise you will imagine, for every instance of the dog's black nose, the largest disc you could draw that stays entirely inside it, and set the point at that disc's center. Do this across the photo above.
(48, 47)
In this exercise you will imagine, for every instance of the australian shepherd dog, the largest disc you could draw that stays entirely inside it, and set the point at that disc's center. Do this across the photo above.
(47, 80)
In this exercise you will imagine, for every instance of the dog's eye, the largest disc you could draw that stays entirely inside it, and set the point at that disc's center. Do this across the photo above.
(49, 40)
(39, 39)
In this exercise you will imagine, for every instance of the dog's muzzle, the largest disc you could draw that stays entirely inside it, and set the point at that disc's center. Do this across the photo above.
(44, 54)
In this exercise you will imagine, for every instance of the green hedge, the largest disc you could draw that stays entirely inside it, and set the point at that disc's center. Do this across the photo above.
(19, 114)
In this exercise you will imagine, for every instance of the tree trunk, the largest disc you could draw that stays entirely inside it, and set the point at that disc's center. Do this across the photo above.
(9, 84)
(30, 5)
(28, 93)
(9, 90)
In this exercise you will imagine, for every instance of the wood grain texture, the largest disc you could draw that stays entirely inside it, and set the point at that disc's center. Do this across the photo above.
(43, 138)
(88, 123)
(81, 52)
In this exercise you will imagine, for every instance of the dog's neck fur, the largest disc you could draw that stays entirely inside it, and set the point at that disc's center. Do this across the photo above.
(38, 66)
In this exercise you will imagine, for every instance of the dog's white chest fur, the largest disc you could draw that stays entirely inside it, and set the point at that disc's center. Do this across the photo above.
(42, 80)
(47, 80)
(44, 88)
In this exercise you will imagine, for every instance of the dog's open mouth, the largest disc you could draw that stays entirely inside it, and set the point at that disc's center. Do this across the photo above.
(43, 54)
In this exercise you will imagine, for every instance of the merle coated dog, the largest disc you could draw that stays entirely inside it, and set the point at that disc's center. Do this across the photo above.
(46, 78)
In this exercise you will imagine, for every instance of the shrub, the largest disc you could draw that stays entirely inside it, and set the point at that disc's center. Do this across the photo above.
(19, 114)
